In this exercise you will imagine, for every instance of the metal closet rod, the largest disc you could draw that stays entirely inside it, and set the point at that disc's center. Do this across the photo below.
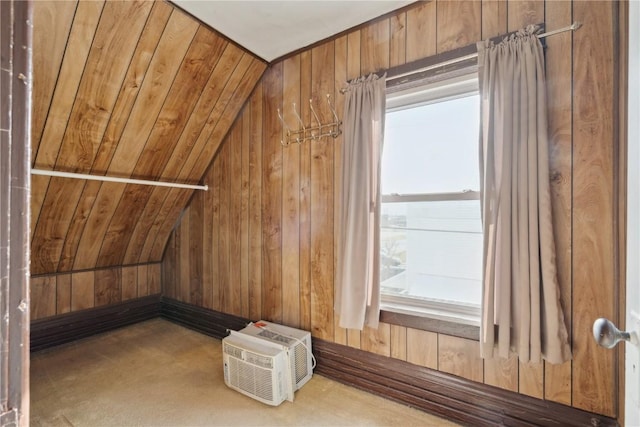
(72, 175)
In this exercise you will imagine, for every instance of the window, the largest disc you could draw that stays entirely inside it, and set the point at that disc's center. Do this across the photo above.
(431, 230)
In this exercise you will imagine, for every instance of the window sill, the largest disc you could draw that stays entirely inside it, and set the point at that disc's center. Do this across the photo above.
(422, 321)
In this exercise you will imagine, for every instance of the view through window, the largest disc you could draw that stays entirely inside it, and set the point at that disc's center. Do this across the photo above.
(431, 230)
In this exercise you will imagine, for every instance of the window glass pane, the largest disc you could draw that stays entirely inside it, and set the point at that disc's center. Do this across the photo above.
(432, 250)
(432, 148)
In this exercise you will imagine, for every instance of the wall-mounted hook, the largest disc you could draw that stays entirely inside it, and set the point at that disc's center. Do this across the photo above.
(315, 131)
(284, 127)
(333, 110)
(313, 136)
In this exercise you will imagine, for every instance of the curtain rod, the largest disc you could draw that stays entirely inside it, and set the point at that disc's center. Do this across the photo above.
(72, 175)
(472, 55)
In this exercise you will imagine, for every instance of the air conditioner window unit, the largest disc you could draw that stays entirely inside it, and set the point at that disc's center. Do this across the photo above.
(296, 342)
(258, 369)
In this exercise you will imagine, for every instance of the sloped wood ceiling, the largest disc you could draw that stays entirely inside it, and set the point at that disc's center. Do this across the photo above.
(130, 89)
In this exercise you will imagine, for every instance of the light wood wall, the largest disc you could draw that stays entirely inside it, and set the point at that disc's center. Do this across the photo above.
(56, 294)
(261, 242)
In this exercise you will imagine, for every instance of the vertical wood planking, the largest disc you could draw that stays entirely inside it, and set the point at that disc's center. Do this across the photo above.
(322, 193)
(63, 293)
(244, 215)
(143, 278)
(291, 196)
(255, 203)
(340, 81)
(494, 18)
(374, 47)
(594, 380)
(154, 272)
(184, 272)
(354, 43)
(557, 380)
(272, 197)
(82, 290)
(421, 31)
(531, 379)
(168, 268)
(305, 201)
(502, 373)
(224, 275)
(399, 338)
(397, 39)
(129, 282)
(459, 356)
(208, 240)
(107, 286)
(521, 13)
(196, 253)
(459, 23)
(422, 348)
(235, 167)
(216, 301)
(377, 341)
(43, 297)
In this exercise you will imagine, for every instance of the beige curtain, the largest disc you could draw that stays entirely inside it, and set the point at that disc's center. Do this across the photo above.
(357, 287)
(521, 310)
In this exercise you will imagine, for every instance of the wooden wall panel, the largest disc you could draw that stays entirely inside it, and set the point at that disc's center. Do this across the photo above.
(494, 18)
(254, 114)
(559, 14)
(421, 31)
(593, 203)
(124, 88)
(291, 198)
(305, 200)
(458, 24)
(63, 293)
(59, 16)
(322, 192)
(272, 197)
(55, 294)
(292, 195)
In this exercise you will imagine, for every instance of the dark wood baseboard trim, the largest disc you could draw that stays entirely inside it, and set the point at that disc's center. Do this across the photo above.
(445, 395)
(438, 393)
(64, 328)
(208, 322)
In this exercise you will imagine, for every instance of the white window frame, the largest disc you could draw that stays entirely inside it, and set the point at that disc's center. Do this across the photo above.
(418, 95)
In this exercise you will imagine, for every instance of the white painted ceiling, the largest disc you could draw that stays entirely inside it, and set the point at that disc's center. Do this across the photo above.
(271, 29)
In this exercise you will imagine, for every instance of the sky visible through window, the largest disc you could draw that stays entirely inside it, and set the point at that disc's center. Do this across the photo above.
(432, 148)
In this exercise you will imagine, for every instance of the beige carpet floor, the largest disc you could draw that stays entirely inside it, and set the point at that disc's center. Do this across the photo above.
(156, 373)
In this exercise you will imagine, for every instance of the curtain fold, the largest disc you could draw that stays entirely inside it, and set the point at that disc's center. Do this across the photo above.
(358, 286)
(521, 309)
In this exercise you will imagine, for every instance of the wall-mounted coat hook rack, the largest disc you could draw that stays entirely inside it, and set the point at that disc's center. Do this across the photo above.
(313, 132)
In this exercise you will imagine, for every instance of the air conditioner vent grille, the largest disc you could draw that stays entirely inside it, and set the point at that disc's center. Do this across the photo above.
(301, 367)
(256, 359)
(233, 351)
(250, 378)
(276, 337)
